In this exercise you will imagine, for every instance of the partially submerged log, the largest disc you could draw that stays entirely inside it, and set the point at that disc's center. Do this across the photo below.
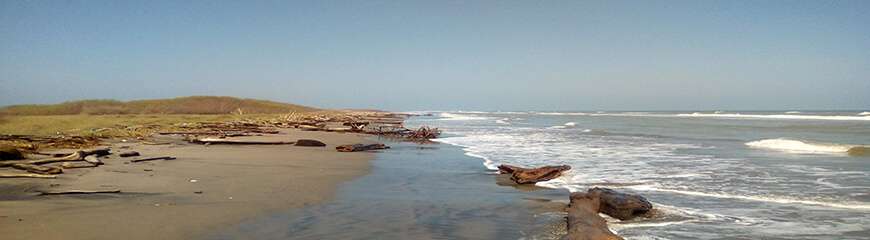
(533, 175)
(41, 193)
(584, 223)
(360, 147)
(619, 205)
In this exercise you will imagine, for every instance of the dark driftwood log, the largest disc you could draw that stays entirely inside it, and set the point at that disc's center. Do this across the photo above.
(309, 143)
(584, 223)
(360, 147)
(152, 159)
(129, 154)
(77, 192)
(532, 175)
(619, 205)
(239, 142)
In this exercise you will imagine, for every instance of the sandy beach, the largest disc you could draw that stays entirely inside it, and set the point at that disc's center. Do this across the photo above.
(206, 189)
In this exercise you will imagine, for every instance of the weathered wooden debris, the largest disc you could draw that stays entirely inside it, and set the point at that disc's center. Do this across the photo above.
(10, 153)
(619, 205)
(26, 175)
(57, 141)
(35, 166)
(233, 141)
(309, 143)
(532, 175)
(360, 147)
(129, 154)
(41, 193)
(77, 164)
(584, 223)
(152, 159)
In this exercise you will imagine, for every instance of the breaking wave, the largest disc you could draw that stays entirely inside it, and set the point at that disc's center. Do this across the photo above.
(802, 146)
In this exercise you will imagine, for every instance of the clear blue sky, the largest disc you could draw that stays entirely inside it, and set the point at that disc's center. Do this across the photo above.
(443, 55)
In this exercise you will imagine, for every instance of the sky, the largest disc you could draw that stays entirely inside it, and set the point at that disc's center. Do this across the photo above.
(443, 55)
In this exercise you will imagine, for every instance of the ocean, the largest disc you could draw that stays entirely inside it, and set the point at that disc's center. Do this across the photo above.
(711, 175)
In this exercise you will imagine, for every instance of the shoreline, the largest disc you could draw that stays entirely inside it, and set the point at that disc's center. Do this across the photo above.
(205, 190)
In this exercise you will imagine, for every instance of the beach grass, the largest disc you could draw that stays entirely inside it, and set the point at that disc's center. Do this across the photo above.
(106, 126)
(187, 105)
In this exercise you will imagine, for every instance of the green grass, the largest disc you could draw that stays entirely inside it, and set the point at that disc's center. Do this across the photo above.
(105, 126)
(185, 105)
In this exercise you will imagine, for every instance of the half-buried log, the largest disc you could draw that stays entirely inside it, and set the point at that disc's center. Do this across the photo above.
(584, 223)
(37, 168)
(26, 175)
(533, 175)
(309, 143)
(239, 142)
(77, 192)
(619, 205)
(360, 147)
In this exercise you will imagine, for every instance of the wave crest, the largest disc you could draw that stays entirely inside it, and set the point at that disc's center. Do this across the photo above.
(803, 146)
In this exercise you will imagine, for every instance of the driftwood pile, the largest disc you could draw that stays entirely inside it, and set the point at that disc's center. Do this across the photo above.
(33, 143)
(39, 166)
(377, 123)
(222, 129)
(44, 168)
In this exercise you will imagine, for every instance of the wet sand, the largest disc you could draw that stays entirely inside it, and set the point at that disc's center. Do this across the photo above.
(205, 190)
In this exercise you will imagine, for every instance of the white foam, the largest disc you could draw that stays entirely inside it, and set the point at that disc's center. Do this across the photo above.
(562, 114)
(792, 112)
(864, 114)
(460, 117)
(777, 116)
(571, 124)
(793, 145)
(759, 198)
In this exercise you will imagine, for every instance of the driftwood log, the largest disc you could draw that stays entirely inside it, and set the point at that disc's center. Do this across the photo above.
(34, 166)
(239, 142)
(37, 168)
(532, 175)
(129, 154)
(26, 175)
(152, 159)
(584, 221)
(619, 205)
(360, 147)
(77, 192)
(309, 143)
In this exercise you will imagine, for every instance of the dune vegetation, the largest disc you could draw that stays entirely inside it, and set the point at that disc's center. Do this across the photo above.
(186, 105)
(93, 117)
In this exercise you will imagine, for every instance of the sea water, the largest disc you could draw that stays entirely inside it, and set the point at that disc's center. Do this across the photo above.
(712, 175)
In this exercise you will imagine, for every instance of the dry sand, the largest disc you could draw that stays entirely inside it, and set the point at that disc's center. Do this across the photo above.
(206, 189)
